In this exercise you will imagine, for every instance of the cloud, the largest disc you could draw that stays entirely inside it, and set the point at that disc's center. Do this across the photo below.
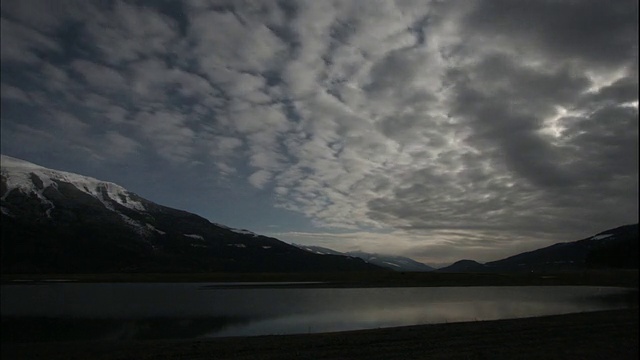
(13, 93)
(20, 44)
(438, 248)
(123, 32)
(168, 133)
(245, 44)
(43, 16)
(481, 126)
(260, 178)
(55, 79)
(586, 31)
(99, 76)
(120, 145)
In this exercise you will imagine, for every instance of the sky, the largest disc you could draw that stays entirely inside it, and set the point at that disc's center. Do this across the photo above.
(439, 130)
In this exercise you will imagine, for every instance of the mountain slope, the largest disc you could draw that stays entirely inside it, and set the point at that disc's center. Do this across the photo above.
(55, 221)
(397, 263)
(318, 249)
(618, 248)
(594, 251)
(614, 248)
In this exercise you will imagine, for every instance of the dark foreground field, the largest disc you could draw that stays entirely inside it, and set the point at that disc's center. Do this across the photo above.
(597, 335)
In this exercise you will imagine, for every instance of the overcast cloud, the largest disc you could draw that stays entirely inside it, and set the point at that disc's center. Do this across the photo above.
(441, 130)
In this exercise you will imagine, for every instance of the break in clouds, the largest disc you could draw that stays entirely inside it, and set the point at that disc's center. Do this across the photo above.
(433, 128)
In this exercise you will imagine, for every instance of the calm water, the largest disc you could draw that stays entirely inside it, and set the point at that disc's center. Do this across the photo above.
(69, 311)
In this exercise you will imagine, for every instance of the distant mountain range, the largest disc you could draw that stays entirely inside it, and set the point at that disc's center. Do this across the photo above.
(60, 222)
(397, 263)
(614, 248)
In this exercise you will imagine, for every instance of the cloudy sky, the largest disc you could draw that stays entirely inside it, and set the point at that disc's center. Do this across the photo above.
(440, 130)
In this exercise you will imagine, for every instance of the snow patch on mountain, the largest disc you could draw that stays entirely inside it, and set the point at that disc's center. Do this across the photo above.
(601, 236)
(242, 231)
(397, 263)
(136, 225)
(194, 236)
(315, 251)
(238, 245)
(153, 228)
(31, 178)
(237, 231)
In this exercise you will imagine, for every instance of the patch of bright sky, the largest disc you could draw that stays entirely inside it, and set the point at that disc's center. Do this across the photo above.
(602, 78)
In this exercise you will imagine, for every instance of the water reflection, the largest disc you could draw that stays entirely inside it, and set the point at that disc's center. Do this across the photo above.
(57, 312)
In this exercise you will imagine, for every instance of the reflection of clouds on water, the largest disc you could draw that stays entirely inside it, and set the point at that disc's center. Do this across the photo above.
(369, 318)
(181, 311)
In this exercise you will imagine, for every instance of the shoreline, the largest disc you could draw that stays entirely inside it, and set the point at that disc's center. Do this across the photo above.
(618, 278)
(610, 334)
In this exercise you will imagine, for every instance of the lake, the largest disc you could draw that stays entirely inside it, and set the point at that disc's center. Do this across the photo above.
(63, 311)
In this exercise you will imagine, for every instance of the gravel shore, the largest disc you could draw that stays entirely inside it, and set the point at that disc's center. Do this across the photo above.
(595, 335)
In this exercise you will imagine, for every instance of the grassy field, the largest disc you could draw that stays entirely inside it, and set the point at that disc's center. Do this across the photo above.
(623, 278)
(597, 335)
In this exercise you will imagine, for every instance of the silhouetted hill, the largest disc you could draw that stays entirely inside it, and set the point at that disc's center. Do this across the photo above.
(462, 266)
(614, 248)
(611, 249)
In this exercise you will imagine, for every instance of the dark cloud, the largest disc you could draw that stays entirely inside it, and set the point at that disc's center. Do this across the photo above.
(623, 90)
(22, 44)
(505, 105)
(605, 33)
(527, 69)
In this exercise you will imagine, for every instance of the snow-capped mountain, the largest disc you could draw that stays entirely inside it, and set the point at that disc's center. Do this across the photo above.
(56, 221)
(318, 249)
(397, 263)
(33, 179)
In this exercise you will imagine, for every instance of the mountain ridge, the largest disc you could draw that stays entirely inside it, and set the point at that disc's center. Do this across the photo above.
(55, 221)
(393, 262)
(460, 266)
(612, 248)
